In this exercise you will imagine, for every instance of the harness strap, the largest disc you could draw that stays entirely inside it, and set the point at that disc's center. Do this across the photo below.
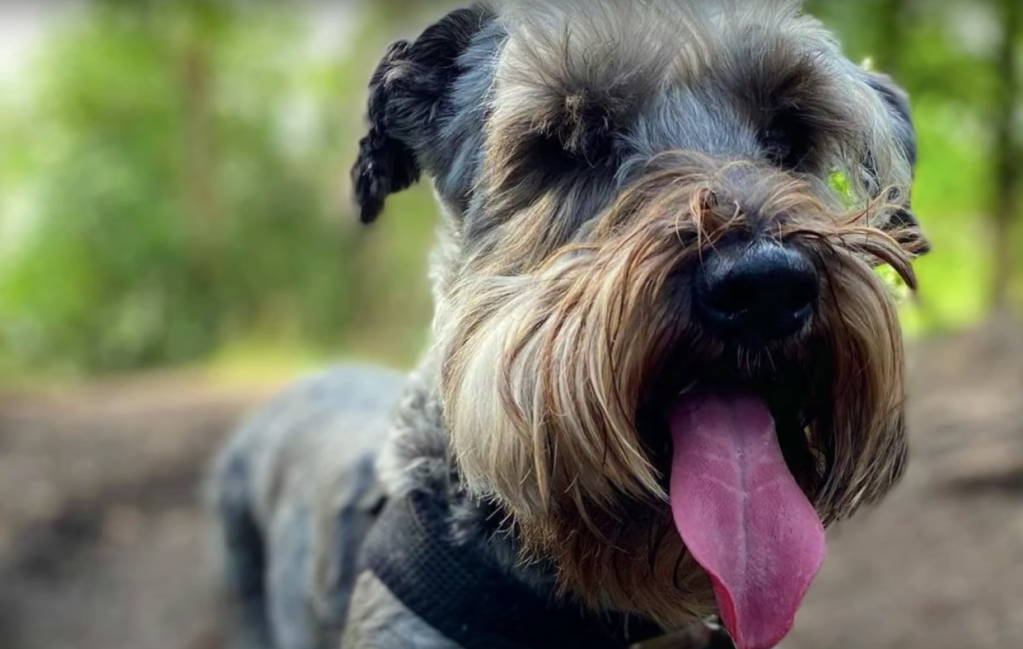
(470, 600)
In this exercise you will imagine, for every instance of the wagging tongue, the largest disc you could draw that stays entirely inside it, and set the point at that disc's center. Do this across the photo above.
(742, 515)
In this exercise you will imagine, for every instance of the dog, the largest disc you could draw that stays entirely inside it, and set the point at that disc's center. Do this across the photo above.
(662, 361)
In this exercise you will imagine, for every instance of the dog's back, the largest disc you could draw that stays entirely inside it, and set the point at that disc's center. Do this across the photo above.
(294, 491)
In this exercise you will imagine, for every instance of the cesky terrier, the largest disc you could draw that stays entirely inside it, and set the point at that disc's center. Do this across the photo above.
(663, 358)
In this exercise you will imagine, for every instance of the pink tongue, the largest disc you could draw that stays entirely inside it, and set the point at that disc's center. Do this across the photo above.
(742, 515)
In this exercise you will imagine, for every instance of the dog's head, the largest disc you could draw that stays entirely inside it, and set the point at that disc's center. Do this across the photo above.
(666, 350)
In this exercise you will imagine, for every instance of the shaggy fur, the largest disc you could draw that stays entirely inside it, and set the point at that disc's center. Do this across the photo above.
(590, 156)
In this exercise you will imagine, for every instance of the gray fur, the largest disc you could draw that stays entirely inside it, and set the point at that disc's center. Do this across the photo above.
(299, 485)
(309, 472)
(461, 159)
(300, 466)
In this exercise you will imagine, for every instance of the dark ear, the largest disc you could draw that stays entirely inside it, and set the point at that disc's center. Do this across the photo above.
(406, 96)
(897, 101)
(385, 165)
(903, 224)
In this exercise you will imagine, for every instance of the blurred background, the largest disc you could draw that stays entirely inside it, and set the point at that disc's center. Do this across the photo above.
(176, 242)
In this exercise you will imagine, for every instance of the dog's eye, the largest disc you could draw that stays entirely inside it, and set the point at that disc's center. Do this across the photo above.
(776, 147)
(547, 154)
(787, 140)
(594, 149)
(584, 132)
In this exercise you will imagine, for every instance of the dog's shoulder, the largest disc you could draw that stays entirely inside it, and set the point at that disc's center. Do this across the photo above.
(310, 431)
(416, 455)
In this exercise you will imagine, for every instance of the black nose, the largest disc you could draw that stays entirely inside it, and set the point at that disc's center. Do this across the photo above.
(760, 293)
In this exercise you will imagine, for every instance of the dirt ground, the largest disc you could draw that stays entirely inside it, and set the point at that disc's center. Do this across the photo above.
(103, 544)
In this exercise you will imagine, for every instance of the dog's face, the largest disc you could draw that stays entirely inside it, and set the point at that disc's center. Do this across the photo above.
(665, 349)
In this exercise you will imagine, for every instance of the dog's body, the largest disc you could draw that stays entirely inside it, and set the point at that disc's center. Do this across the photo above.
(661, 359)
(296, 492)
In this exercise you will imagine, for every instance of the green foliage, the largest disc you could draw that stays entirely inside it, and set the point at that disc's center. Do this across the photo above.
(168, 215)
(944, 58)
(173, 185)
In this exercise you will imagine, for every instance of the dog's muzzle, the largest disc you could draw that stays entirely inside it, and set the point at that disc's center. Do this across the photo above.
(756, 292)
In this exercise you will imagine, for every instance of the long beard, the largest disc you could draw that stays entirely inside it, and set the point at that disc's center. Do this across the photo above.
(551, 383)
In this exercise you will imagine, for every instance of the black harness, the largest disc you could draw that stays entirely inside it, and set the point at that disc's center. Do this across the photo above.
(469, 599)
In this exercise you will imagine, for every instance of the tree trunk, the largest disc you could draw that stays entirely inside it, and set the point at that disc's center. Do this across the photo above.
(1007, 162)
(891, 33)
(198, 172)
(202, 213)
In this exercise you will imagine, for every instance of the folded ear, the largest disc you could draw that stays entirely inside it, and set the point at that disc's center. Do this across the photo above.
(406, 93)
(897, 101)
(385, 164)
(903, 224)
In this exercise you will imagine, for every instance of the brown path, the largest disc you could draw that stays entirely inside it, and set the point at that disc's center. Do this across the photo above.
(939, 565)
(101, 541)
(102, 545)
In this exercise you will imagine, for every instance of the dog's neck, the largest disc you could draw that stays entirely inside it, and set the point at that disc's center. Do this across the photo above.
(468, 543)
(457, 587)
(418, 459)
